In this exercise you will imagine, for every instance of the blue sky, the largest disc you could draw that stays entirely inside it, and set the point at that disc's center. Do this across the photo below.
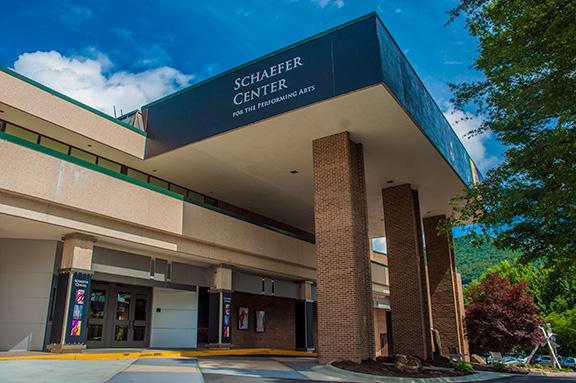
(126, 53)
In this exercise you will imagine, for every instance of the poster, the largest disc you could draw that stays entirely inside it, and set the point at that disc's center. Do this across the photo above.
(260, 319)
(243, 318)
(77, 312)
(226, 317)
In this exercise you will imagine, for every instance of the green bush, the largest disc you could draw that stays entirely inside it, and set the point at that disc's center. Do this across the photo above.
(464, 367)
(499, 366)
(522, 365)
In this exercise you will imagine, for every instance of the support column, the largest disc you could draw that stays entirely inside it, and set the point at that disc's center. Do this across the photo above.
(409, 293)
(345, 315)
(443, 285)
(305, 318)
(462, 319)
(72, 294)
(220, 309)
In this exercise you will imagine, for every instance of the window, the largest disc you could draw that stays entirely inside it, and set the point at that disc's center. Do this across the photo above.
(81, 154)
(21, 133)
(177, 189)
(195, 196)
(168, 271)
(115, 167)
(158, 182)
(55, 145)
(211, 201)
(138, 175)
(152, 267)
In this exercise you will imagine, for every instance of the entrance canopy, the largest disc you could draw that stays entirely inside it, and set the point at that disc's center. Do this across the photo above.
(245, 136)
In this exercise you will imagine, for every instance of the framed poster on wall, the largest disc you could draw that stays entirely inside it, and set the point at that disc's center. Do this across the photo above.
(243, 318)
(260, 319)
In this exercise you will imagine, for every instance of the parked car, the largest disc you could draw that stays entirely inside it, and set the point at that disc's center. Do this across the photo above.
(569, 362)
(545, 360)
(536, 359)
(509, 360)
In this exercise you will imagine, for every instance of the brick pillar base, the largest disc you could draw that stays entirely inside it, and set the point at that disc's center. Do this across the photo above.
(345, 315)
(407, 273)
(442, 285)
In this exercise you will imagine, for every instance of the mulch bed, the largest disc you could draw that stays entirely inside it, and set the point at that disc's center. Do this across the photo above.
(379, 367)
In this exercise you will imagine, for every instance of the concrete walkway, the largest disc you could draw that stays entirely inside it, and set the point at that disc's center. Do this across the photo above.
(177, 370)
(61, 371)
(228, 369)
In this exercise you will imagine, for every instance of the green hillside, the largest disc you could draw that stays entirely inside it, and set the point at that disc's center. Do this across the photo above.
(473, 261)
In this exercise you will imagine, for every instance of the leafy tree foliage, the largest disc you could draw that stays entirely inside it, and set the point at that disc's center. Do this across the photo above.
(553, 291)
(472, 260)
(564, 325)
(501, 316)
(527, 53)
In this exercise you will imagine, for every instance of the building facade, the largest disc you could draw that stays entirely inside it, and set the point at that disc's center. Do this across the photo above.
(238, 212)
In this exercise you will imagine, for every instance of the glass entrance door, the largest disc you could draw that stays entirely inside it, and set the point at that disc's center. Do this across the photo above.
(119, 315)
(130, 325)
(95, 337)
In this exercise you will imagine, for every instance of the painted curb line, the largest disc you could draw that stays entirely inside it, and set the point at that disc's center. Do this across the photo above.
(163, 354)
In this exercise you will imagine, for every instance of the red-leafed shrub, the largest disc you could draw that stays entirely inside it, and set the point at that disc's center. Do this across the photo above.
(501, 316)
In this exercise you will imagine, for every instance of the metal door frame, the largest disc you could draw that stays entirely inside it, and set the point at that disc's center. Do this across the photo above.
(109, 322)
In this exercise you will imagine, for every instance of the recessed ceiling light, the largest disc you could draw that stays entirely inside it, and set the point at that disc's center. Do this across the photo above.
(293, 171)
(154, 170)
(1, 111)
(89, 145)
(390, 182)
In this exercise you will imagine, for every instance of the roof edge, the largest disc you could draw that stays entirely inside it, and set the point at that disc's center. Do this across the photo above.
(70, 100)
(271, 54)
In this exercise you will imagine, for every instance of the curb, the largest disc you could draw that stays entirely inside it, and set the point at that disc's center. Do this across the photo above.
(164, 354)
(367, 378)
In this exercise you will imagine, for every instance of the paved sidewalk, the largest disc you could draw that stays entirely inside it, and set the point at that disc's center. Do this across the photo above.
(177, 370)
(61, 371)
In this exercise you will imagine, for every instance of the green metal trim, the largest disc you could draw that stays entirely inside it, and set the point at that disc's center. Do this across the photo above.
(71, 100)
(124, 177)
(296, 44)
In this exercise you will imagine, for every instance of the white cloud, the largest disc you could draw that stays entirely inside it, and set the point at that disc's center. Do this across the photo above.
(464, 123)
(325, 3)
(87, 80)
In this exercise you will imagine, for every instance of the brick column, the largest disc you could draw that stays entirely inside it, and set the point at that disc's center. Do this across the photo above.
(345, 315)
(407, 272)
(465, 350)
(72, 294)
(442, 285)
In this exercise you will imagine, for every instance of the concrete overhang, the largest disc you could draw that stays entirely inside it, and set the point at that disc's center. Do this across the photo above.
(240, 140)
(27, 103)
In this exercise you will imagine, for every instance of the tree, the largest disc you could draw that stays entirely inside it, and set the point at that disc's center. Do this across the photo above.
(501, 316)
(472, 261)
(564, 325)
(527, 99)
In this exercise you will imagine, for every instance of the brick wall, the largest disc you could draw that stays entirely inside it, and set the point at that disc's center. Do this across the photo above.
(280, 322)
(410, 313)
(442, 285)
(345, 316)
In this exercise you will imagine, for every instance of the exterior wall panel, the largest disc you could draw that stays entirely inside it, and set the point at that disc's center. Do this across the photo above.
(26, 272)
